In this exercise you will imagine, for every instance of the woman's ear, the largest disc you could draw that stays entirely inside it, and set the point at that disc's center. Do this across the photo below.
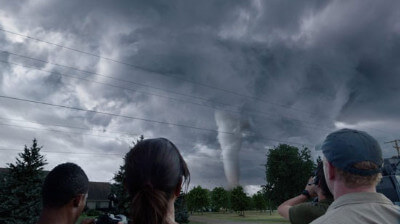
(178, 188)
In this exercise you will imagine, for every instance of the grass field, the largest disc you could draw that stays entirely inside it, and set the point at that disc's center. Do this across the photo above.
(250, 217)
(82, 217)
(222, 218)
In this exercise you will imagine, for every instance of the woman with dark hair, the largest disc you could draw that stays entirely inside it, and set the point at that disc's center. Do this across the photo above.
(155, 174)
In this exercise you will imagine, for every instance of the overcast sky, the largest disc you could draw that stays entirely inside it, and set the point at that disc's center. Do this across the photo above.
(283, 71)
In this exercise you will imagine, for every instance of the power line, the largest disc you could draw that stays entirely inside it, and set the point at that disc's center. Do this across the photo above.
(67, 132)
(108, 76)
(74, 127)
(259, 113)
(110, 114)
(53, 130)
(281, 141)
(103, 136)
(155, 72)
(124, 80)
(108, 84)
(114, 115)
(71, 127)
(148, 70)
(66, 152)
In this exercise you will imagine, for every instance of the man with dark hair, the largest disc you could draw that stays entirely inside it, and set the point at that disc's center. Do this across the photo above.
(352, 168)
(64, 195)
(298, 210)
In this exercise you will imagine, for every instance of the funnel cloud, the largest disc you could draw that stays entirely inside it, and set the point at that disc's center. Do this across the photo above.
(230, 145)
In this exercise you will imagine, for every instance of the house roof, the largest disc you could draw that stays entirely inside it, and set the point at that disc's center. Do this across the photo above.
(98, 191)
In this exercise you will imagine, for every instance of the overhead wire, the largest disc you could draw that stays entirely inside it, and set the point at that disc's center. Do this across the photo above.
(66, 152)
(129, 81)
(114, 115)
(141, 68)
(154, 72)
(117, 115)
(71, 127)
(259, 113)
(108, 76)
(74, 127)
(67, 132)
(117, 61)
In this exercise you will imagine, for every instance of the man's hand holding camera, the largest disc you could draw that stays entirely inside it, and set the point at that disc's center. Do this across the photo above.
(309, 192)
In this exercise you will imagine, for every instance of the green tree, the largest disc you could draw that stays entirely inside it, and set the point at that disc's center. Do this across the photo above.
(20, 196)
(250, 203)
(117, 188)
(198, 199)
(287, 171)
(239, 200)
(181, 210)
(259, 200)
(219, 199)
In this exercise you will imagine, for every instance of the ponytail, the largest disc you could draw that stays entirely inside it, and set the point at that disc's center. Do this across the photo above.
(154, 173)
(149, 205)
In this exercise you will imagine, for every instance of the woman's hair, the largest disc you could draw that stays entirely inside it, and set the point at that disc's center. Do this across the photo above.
(154, 171)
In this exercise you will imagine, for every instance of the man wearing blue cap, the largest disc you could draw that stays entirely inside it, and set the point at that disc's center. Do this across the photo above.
(352, 166)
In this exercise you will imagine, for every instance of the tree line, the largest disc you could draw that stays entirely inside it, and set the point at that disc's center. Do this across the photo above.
(221, 200)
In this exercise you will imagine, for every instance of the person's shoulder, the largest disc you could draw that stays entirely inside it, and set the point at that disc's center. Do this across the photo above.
(327, 218)
(360, 213)
(305, 212)
(302, 207)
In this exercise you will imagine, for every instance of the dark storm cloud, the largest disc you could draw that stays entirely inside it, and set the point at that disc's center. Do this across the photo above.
(310, 67)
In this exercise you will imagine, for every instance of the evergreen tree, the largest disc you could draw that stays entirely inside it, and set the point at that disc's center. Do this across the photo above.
(123, 198)
(181, 210)
(20, 196)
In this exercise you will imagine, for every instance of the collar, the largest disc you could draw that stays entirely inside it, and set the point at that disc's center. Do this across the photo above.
(360, 198)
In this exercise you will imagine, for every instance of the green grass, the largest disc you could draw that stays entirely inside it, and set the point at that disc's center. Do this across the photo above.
(84, 216)
(250, 216)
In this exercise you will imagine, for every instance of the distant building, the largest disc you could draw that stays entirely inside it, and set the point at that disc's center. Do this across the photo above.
(97, 196)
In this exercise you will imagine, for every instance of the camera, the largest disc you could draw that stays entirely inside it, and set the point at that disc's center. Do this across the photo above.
(107, 217)
(111, 219)
(317, 174)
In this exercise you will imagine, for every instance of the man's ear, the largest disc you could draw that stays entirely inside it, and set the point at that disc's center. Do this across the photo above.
(78, 200)
(178, 188)
(331, 171)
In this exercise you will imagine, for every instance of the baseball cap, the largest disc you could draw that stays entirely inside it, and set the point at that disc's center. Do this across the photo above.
(346, 147)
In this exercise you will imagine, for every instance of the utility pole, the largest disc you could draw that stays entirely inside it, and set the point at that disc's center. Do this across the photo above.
(396, 146)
